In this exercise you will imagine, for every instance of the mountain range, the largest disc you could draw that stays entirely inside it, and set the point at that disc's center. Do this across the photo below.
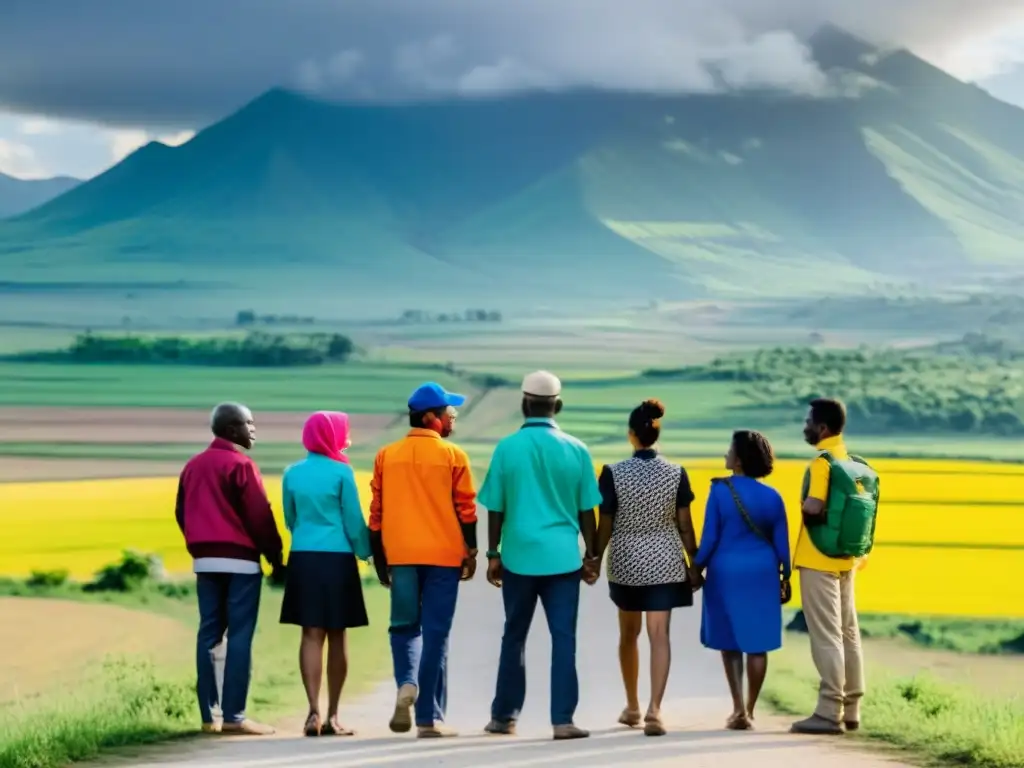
(21, 195)
(899, 173)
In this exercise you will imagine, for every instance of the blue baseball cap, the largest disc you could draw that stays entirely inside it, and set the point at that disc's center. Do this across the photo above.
(431, 396)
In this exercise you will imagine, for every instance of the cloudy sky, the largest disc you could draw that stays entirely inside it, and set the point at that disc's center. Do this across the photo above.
(84, 82)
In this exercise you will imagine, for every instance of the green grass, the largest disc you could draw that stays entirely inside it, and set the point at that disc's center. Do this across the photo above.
(932, 719)
(939, 633)
(137, 701)
(353, 387)
(959, 635)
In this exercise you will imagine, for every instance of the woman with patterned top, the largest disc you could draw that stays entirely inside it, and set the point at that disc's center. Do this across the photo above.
(645, 517)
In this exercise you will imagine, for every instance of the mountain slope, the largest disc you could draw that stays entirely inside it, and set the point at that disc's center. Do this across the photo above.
(554, 198)
(20, 195)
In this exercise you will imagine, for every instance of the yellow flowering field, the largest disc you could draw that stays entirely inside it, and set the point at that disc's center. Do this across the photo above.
(950, 534)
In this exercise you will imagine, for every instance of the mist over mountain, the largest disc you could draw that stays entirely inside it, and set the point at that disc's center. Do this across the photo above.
(20, 195)
(898, 171)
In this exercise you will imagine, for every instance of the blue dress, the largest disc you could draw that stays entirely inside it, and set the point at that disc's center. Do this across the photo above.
(742, 609)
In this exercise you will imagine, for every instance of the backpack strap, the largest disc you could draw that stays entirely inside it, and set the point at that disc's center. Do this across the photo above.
(742, 510)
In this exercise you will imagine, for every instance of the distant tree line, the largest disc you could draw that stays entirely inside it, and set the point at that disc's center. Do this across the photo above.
(885, 390)
(257, 350)
(466, 316)
(247, 318)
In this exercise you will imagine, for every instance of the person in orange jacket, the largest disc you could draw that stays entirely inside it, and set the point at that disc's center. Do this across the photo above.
(423, 535)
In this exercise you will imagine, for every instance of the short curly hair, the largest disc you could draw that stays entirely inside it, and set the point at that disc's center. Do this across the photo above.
(754, 453)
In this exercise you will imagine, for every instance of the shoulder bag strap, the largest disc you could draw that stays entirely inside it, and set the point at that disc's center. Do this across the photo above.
(743, 511)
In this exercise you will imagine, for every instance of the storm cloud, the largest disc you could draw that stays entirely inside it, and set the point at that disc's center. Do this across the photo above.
(186, 63)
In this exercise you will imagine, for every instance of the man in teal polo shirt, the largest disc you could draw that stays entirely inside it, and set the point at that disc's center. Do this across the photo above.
(540, 493)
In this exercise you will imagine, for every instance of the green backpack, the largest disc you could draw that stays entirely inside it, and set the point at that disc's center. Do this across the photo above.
(850, 509)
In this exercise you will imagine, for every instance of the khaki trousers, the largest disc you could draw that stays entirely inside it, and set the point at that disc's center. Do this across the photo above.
(828, 605)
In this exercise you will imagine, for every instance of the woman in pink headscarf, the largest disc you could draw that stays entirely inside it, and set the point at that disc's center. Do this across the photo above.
(323, 591)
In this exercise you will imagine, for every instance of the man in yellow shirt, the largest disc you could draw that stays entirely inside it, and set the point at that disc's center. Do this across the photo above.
(826, 588)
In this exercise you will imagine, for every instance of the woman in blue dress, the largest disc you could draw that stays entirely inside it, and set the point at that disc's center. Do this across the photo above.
(745, 549)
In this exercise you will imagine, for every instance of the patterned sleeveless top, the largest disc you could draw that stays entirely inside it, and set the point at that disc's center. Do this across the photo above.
(646, 548)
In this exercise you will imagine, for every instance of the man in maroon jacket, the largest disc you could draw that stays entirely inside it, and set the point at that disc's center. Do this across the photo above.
(223, 512)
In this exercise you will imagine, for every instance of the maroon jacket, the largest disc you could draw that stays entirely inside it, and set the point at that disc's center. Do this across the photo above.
(222, 507)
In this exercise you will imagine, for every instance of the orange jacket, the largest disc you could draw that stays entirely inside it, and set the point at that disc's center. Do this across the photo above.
(422, 494)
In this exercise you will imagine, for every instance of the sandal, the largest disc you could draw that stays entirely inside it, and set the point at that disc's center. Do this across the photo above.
(653, 726)
(312, 726)
(333, 728)
(738, 722)
(630, 717)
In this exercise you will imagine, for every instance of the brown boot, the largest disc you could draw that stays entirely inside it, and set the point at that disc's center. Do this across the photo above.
(246, 728)
(816, 725)
(569, 731)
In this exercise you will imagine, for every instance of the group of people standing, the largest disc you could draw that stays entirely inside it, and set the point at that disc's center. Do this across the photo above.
(543, 541)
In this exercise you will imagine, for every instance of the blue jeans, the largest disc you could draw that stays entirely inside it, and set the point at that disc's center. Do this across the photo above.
(422, 609)
(228, 602)
(560, 597)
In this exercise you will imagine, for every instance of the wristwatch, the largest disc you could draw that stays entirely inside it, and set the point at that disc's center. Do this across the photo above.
(493, 554)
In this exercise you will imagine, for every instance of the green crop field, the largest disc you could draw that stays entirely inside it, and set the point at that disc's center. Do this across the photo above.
(353, 387)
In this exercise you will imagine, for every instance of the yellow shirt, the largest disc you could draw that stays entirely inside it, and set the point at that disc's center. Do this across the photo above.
(806, 555)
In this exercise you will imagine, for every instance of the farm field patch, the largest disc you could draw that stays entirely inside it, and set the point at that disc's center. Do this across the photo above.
(353, 387)
(930, 522)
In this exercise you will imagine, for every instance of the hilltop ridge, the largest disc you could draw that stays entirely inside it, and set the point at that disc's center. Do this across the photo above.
(559, 197)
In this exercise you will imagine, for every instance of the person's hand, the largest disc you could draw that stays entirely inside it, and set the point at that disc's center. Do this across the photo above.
(786, 590)
(495, 571)
(695, 577)
(591, 570)
(384, 576)
(278, 574)
(469, 566)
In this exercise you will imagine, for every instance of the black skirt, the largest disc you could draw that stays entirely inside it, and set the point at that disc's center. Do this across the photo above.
(652, 597)
(323, 590)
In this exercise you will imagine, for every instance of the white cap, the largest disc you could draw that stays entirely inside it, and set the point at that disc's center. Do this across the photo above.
(542, 384)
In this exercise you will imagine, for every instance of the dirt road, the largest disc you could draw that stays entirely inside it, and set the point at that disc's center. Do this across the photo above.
(696, 708)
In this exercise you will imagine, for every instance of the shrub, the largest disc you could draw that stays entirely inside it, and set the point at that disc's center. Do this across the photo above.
(47, 579)
(130, 574)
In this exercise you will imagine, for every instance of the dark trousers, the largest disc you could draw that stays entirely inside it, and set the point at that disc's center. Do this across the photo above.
(423, 601)
(228, 602)
(560, 597)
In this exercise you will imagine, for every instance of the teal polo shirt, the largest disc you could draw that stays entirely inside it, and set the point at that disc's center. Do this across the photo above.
(540, 479)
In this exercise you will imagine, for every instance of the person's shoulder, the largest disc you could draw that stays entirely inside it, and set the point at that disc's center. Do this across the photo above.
(666, 464)
(230, 459)
(507, 444)
(510, 439)
(343, 470)
(455, 451)
(768, 492)
(391, 447)
(571, 440)
(819, 463)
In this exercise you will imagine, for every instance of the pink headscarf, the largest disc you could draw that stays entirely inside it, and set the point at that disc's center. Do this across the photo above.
(326, 433)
